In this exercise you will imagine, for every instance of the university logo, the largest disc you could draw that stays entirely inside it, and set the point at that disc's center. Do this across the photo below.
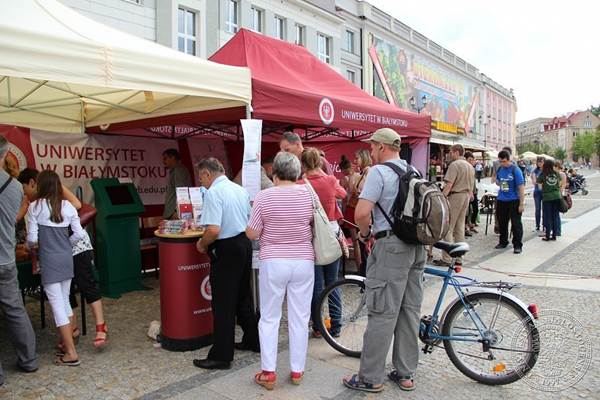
(16, 157)
(326, 111)
(205, 288)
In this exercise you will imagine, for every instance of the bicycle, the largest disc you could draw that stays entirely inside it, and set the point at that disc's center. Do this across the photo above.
(488, 334)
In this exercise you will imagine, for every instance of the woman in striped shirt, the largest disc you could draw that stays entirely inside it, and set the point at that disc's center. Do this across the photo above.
(281, 219)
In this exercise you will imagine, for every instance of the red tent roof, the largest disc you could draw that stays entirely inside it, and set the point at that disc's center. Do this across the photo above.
(289, 84)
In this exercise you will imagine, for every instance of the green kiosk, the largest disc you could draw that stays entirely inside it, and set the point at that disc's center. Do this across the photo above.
(118, 256)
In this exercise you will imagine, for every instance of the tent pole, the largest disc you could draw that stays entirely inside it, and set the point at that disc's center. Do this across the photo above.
(248, 112)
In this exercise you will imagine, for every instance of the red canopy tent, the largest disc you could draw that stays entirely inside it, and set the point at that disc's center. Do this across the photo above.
(291, 90)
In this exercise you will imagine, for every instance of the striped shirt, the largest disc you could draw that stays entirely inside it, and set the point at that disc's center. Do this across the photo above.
(283, 215)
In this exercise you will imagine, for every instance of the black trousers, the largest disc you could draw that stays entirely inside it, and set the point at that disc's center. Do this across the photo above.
(230, 269)
(509, 211)
(84, 278)
(474, 210)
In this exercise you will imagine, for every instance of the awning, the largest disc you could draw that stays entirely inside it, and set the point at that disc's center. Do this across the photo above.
(61, 71)
(290, 85)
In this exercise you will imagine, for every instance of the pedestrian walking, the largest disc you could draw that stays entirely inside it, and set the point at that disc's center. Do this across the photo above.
(478, 171)
(510, 202)
(16, 320)
(458, 188)
(49, 219)
(281, 219)
(394, 284)
(225, 217)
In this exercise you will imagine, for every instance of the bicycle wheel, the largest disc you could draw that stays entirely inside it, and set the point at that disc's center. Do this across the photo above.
(343, 316)
(513, 337)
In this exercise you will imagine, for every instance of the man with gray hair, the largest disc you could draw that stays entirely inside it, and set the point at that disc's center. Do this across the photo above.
(225, 216)
(291, 143)
(394, 279)
(11, 302)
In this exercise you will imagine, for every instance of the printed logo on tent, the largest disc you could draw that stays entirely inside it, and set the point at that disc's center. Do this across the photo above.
(205, 288)
(326, 111)
(15, 158)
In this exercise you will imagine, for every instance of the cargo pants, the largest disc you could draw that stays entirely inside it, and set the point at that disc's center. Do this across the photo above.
(394, 291)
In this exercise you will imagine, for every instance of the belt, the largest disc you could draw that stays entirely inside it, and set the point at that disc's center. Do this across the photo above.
(382, 234)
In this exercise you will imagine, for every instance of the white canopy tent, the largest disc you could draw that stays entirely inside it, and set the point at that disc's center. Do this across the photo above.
(61, 71)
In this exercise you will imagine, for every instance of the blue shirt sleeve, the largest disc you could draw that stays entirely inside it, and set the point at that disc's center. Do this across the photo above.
(212, 210)
(519, 179)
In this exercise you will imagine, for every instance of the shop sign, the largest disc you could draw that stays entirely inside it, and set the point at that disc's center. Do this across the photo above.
(446, 127)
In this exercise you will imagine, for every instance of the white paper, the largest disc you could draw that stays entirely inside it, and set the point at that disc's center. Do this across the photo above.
(251, 173)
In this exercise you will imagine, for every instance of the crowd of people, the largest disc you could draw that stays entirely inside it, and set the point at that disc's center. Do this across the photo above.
(295, 181)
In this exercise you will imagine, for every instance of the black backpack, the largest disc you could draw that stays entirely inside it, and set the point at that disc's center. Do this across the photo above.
(421, 213)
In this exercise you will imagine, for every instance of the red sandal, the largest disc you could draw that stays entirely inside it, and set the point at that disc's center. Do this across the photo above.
(266, 379)
(101, 342)
(296, 377)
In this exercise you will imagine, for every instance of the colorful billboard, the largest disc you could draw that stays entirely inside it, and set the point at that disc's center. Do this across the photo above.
(402, 73)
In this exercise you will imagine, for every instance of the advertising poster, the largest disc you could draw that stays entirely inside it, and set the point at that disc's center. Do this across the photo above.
(403, 73)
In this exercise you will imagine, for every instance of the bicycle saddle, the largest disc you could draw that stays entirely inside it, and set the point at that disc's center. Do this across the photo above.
(453, 249)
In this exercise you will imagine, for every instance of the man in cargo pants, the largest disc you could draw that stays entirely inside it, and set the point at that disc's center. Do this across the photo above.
(394, 284)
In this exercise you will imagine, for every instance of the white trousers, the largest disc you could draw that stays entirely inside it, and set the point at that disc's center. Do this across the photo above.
(58, 296)
(278, 277)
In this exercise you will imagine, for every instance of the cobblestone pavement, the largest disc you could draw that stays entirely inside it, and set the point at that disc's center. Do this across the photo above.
(132, 367)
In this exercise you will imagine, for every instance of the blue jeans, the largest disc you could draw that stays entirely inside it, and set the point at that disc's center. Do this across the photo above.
(552, 218)
(325, 275)
(537, 200)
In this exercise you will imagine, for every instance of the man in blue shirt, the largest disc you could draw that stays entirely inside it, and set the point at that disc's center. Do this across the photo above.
(225, 215)
(510, 201)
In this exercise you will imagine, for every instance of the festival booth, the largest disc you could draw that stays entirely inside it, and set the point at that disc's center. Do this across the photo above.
(62, 75)
(293, 90)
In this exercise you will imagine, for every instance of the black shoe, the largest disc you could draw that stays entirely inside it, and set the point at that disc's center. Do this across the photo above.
(518, 250)
(440, 263)
(501, 246)
(27, 370)
(207, 363)
(468, 234)
(246, 347)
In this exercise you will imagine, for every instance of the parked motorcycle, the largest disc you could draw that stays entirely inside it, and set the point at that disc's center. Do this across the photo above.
(577, 183)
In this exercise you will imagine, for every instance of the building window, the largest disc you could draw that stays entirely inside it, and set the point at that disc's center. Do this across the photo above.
(349, 42)
(324, 48)
(300, 35)
(279, 28)
(351, 75)
(257, 20)
(231, 22)
(186, 31)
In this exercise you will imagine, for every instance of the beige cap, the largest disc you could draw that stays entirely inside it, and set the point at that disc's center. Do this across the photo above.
(385, 136)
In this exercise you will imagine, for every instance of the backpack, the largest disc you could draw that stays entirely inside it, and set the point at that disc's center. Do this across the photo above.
(421, 213)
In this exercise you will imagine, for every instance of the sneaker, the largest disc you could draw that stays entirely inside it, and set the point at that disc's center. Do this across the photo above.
(518, 250)
(501, 246)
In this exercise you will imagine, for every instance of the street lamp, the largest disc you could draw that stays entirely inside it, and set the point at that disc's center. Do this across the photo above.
(414, 106)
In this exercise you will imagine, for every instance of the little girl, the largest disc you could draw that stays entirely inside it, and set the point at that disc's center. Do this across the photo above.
(48, 220)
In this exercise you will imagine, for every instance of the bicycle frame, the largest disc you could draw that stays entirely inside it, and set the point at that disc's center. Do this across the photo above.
(451, 280)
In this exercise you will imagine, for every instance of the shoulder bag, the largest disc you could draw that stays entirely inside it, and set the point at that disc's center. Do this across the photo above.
(325, 243)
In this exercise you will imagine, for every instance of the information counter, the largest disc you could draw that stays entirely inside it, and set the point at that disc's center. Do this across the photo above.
(185, 293)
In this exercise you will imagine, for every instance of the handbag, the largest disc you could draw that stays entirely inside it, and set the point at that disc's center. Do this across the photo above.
(325, 243)
(569, 200)
(563, 207)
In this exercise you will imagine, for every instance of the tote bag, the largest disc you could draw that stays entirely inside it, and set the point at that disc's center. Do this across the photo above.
(325, 243)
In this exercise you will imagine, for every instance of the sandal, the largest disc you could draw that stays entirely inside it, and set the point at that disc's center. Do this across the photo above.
(401, 381)
(296, 377)
(100, 342)
(356, 383)
(61, 361)
(266, 379)
(60, 346)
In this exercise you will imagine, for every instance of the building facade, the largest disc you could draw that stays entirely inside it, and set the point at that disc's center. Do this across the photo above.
(366, 45)
(531, 131)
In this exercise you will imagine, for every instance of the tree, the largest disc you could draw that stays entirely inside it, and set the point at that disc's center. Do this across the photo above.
(560, 154)
(595, 110)
(584, 146)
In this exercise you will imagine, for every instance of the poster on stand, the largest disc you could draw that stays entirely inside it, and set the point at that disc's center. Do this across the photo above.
(251, 172)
